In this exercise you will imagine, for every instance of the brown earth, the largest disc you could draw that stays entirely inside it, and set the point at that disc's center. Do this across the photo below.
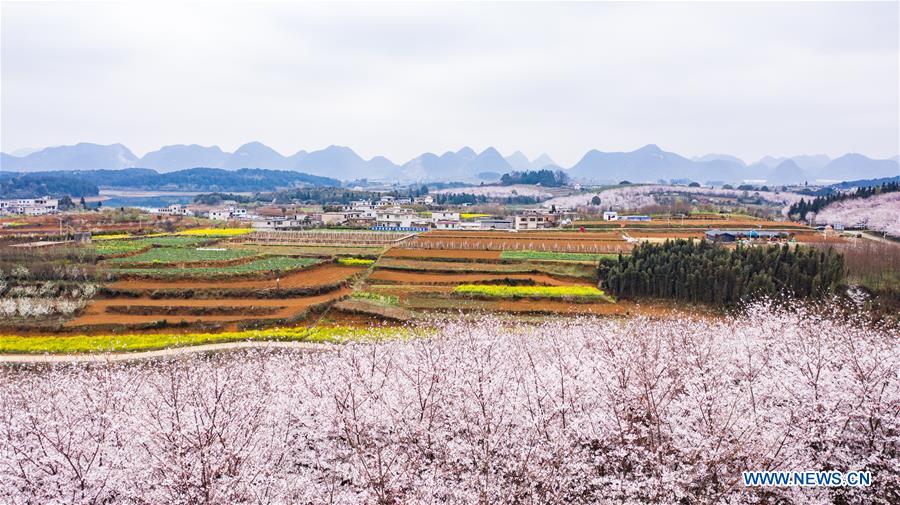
(819, 238)
(401, 277)
(325, 274)
(95, 313)
(442, 253)
(461, 266)
(639, 234)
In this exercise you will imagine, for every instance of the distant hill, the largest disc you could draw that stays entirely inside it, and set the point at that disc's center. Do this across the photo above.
(857, 166)
(520, 162)
(192, 179)
(256, 155)
(78, 157)
(462, 165)
(647, 164)
(650, 164)
(722, 157)
(180, 157)
(862, 183)
(787, 172)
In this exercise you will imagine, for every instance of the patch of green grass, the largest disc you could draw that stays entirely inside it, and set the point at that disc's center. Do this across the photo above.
(555, 256)
(501, 291)
(319, 251)
(175, 241)
(14, 344)
(123, 246)
(268, 264)
(185, 255)
(378, 298)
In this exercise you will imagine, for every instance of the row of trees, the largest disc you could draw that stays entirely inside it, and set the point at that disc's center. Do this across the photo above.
(703, 272)
(800, 209)
(548, 178)
(37, 185)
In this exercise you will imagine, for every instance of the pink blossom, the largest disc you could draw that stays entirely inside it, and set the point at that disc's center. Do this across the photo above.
(567, 411)
(878, 213)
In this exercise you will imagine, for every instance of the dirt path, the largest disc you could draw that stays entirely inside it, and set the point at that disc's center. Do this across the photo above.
(871, 236)
(161, 353)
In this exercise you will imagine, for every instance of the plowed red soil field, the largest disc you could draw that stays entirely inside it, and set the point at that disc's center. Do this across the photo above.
(400, 277)
(95, 313)
(442, 253)
(819, 238)
(456, 266)
(639, 234)
(329, 273)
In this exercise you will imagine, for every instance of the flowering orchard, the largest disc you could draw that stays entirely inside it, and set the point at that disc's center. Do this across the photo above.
(878, 213)
(574, 411)
(635, 197)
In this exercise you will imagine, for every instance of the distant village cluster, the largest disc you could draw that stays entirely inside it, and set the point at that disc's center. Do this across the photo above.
(385, 214)
(388, 213)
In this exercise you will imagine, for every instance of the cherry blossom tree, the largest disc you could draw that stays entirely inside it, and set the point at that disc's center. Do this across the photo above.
(878, 213)
(578, 410)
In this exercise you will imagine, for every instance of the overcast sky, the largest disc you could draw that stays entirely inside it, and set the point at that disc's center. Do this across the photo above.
(401, 79)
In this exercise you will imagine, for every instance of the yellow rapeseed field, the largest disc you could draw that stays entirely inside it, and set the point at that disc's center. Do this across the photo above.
(216, 232)
(502, 291)
(66, 344)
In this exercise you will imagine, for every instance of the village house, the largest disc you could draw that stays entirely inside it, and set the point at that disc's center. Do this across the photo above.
(729, 236)
(281, 223)
(446, 224)
(397, 217)
(332, 218)
(385, 201)
(533, 220)
(30, 206)
(176, 209)
(444, 216)
(227, 214)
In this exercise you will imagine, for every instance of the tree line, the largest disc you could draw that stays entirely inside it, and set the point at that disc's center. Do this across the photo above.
(548, 178)
(703, 272)
(38, 185)
(801, 208)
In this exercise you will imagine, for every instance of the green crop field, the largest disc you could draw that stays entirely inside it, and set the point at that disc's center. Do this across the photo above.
(554, 256)
(176, 240)
(185, 255)
(499, 291)
(269, 264)
(122, 246)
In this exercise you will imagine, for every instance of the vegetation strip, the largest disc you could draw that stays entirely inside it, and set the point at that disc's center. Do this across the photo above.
(13, 344)
(355, 261)
(555, 256)
(500, 291)
(271, 264)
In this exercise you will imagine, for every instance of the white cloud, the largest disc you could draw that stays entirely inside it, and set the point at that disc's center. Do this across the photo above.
(399, 79)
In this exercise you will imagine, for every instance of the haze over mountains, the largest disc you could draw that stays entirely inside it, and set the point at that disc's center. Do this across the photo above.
(647, 164)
